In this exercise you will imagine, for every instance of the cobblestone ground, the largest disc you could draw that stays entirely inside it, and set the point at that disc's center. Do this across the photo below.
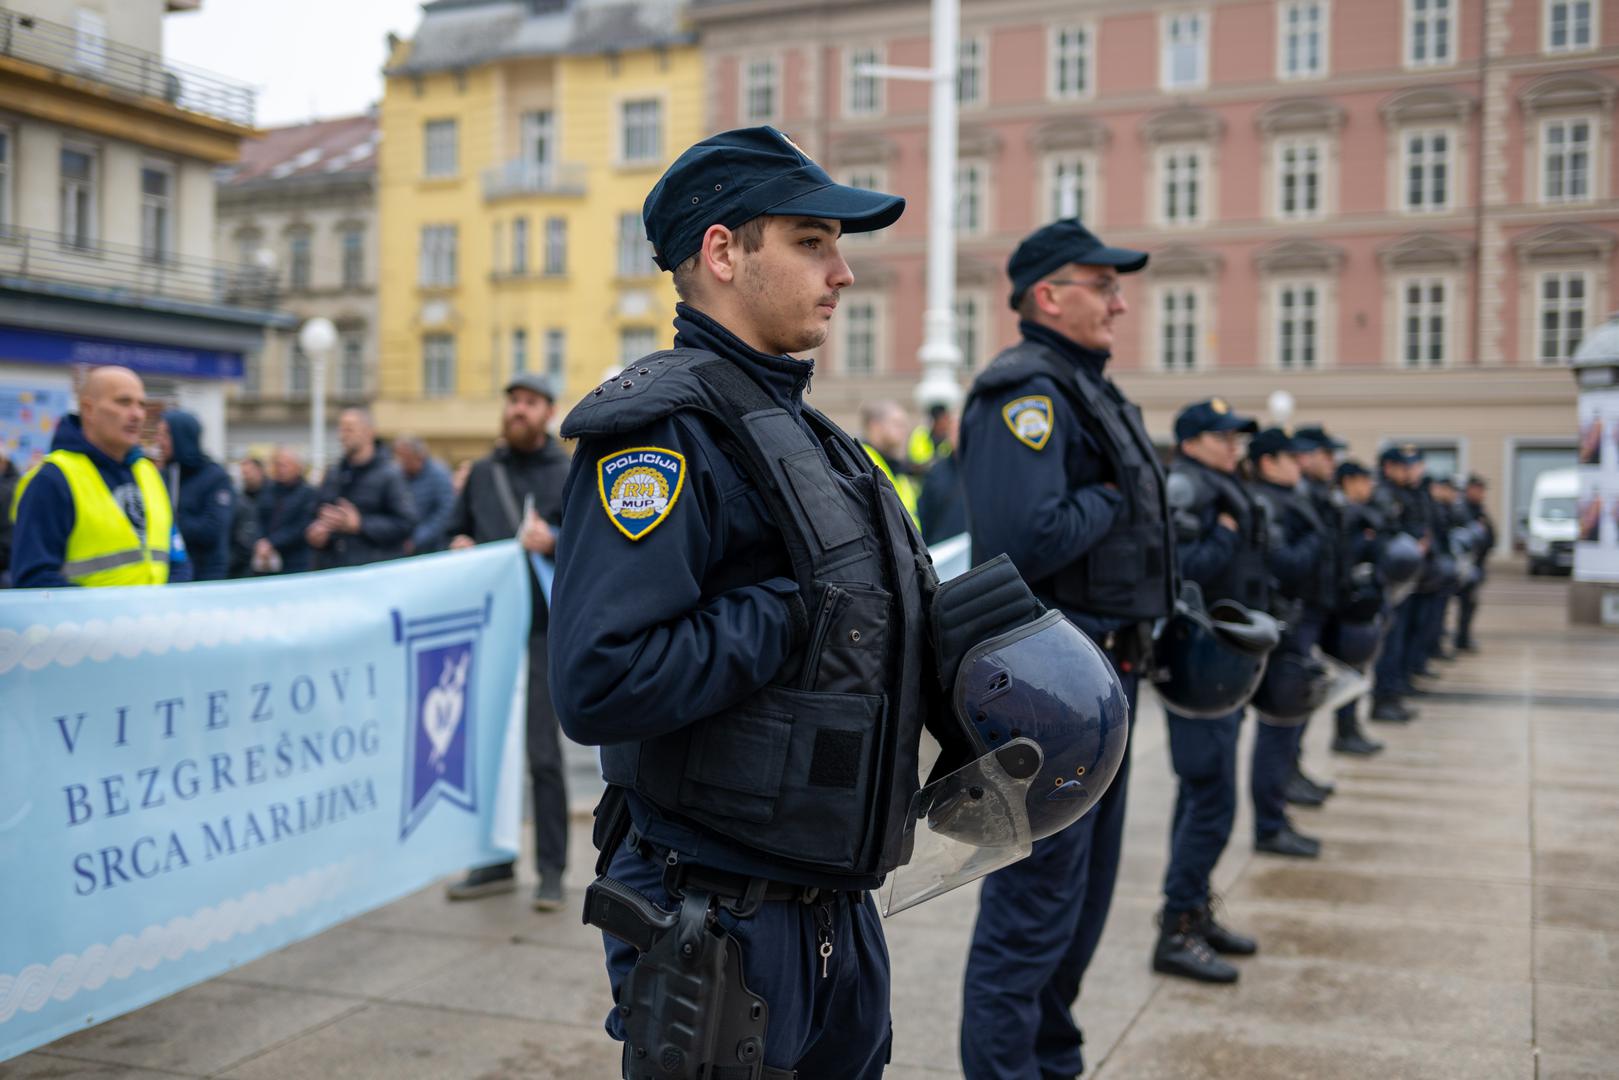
(1463, 922)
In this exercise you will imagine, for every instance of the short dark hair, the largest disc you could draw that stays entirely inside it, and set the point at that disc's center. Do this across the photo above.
(750, 234)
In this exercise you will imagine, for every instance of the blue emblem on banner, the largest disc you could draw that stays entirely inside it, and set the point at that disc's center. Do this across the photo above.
(639, 487)
(443, 711)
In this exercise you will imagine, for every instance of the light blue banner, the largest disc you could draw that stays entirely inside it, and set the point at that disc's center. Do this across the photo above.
(193, 776)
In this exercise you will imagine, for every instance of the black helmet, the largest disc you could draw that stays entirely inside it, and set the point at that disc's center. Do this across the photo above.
(1362, 596)
(1208, 663)
(1352, 641)
(1040, 724)
(1399, 563)
(1294, 686)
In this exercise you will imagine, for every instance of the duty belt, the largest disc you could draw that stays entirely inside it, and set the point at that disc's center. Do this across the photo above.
(741, 894)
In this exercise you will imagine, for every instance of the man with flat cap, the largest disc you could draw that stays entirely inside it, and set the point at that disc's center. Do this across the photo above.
(738, 622)
(1061, 476)
(516, 491)
(1221, 536)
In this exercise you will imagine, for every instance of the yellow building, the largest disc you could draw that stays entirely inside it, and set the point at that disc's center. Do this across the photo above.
(519, 140)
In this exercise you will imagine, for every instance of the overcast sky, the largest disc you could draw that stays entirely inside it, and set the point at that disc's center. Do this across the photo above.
(306, 58)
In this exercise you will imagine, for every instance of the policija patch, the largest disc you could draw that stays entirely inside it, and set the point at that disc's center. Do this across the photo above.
(639, 487)
(1030, 420)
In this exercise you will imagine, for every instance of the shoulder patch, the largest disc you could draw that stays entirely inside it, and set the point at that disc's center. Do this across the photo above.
(1030, 420)
(639, 487)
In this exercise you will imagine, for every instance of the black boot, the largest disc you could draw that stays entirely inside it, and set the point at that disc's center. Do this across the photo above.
(1182, 951)
(1351, 740)
(484, 881)
(1300, 792)
(1221, 939)
(1285, 841)
(1390, 711)
(1325, 788)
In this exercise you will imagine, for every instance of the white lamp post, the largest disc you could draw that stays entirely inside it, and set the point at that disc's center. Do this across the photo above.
(940, 355)
(1280, 406)
(317, 337)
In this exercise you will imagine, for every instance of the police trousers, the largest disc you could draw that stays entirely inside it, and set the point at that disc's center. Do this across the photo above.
(1389, 675)
(1203, 754)
(831, 1027)
(1039, 922)
(1276, 749)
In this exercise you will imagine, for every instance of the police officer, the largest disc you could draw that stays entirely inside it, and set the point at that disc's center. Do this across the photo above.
(1393, 499)
(1361, 532)
(1475, 512)
(1447, 518)
(1220, 544)
(1300, 554)
(1060, 475)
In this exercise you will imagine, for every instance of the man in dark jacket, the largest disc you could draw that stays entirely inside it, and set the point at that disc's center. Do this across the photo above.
(8, 485)
(364, 512)
(1474, 510)
(431, 489)
(517, 491)
(200, 488)
(286, 507)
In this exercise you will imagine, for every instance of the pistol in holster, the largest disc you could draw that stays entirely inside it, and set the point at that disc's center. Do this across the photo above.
(687, 1014)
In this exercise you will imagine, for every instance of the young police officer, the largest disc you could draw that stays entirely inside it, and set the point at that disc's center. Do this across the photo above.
(1220, 534)
(1060, 475)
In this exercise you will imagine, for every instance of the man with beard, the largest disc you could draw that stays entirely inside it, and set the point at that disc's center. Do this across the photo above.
(517, 491)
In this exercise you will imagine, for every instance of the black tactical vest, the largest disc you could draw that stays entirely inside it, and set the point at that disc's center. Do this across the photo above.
(1322, 515)
(1295, 511)
(819, 767)
(1244, 578)
(1129, 573)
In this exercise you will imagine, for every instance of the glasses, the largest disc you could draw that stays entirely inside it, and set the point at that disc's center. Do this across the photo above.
(1107, 288)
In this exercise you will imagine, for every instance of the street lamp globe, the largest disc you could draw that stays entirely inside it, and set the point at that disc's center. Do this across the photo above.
(1280, 406)
(317, 336)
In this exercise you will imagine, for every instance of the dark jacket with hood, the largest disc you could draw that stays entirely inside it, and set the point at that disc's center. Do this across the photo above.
(204, 499)
(46, 515)
(285, 511)
(387, 512)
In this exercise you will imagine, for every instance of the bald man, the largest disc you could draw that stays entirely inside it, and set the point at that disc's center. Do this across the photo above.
(95, 512)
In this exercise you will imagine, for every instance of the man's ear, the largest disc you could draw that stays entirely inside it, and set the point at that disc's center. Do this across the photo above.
(720, 252)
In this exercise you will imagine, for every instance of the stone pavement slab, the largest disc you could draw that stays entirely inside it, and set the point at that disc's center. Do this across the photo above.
(1461, 924)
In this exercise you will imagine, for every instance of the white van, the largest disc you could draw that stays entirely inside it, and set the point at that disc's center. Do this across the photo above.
(1553, 523)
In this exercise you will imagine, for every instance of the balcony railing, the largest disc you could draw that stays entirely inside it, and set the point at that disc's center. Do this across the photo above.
(533, 178)
(132, 273)
(133, 71)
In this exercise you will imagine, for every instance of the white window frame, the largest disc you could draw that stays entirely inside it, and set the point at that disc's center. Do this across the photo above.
(1451, 163)
(634, 258)
(556, 245)
(1570, 340)
(1430, 17)
(972, 57)
(870, 309)
(158, 227)
(1202, 357)
(81, 236)
(351, 249)
(520, 246)
(556, 352)
(635, 342)
(300, 271)
(628, 125)
(519, 349)
(300, 372)
(441, 148)
(1088, 203)
(351, 362)
(438, 365)
(1169, 24)
(437, 257)
(761, 83)
(856, 105)
(1320, 305)
(972, 307)
(8, 169)
(1323, 29)
(1592, 158)
(972, 192)
(537, 128)
(1204, 180)
(1082, 55)
(1594, 22)
(1299, 144)
(1446, 311)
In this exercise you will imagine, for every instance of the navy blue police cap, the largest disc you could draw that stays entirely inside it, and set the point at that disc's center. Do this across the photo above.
(733, 177)
(1315, 437)
(1346, 469)
(1399, 455)
(1054, 246)
(1273, 441)
(1211, 415)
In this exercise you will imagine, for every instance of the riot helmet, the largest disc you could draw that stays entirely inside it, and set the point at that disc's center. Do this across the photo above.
(1352, 641)
(1296, 684)
(1362, 595)
(1036, 734)
(1399, 563)
(1209, 662)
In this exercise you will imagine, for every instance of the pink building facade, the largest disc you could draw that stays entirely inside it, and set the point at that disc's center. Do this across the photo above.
(1403, 212)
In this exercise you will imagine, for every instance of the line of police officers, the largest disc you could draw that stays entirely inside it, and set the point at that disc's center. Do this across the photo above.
(746, 621)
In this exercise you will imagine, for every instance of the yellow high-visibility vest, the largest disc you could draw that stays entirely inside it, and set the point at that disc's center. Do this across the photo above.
(906, 486)
(103, 548)
(921, 448)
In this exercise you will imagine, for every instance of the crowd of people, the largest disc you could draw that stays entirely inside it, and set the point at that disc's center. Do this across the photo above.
(745, 619)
